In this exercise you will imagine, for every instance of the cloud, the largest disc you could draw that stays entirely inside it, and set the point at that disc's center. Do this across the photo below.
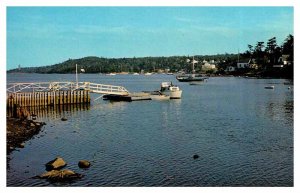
(184, 19)
(97, 29)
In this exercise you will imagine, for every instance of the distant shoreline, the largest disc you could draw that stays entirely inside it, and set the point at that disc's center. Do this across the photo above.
(209, 75)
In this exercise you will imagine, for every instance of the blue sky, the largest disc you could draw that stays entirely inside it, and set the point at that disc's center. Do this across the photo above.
(39, 36)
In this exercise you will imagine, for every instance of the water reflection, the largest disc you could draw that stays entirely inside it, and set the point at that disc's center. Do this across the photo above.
(53, 112)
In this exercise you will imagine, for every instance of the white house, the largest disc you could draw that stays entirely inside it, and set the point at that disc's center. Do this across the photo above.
(243, 64)
(208, 66)
(284, 59)
(230, 69)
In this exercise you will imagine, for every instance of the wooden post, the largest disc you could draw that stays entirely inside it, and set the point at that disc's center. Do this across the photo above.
(80, 93)
(40, 99)
(68, 97)
(75, 96)
(56, 98)
(37, 99)
(60, 97)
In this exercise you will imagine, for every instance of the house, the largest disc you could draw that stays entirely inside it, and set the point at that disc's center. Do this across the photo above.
(253, 66)
(207, 66)
(243, 63)
(284, 60)
(230, 69)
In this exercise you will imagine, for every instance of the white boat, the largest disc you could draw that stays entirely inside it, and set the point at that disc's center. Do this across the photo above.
(135, 73)
(159, 96)
(111, 74)
(148, 74)
(171, 90)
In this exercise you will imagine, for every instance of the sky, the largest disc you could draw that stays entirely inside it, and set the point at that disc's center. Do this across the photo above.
(39, 36)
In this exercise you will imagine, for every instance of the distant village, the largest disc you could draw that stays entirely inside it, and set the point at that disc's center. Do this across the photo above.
(270, 60)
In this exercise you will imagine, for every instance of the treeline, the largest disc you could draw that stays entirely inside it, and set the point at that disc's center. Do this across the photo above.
(270, 54)
(94, 64)
(264, 55)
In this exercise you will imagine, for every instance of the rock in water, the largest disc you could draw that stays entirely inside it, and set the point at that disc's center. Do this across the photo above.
(57, 175)
(21, 145)
(84, 164)
(64, 119)
(55, 164)
(196, 156)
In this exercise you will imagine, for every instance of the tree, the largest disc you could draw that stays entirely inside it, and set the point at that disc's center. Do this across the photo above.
(259, 53)
(270, 50)
(288, 47)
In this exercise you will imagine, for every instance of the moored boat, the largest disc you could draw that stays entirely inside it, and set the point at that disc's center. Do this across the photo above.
(173, 91)
(191, 77)
(157, 95)
(269, 87)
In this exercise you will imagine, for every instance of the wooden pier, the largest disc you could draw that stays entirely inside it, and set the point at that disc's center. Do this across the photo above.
(47, 98)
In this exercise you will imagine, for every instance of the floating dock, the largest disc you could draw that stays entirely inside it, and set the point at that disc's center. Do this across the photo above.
(128, 98)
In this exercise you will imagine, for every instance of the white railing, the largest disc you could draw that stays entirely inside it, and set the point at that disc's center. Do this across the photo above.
(27, 87)
(58, 86)
(106, 89)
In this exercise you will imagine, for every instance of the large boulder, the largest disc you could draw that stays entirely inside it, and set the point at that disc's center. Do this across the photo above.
(60, 175)
(55, 164)
(84, 164)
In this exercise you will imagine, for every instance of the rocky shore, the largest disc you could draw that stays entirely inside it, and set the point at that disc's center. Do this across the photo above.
(20, 130)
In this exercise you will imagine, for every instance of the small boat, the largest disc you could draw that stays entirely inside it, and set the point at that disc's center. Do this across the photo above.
(171, 90)
(111, 74)
(269, 87)
(159, 96)
(135, 73)
(148, 74)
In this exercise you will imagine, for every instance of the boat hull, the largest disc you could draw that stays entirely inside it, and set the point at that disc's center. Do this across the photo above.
(190, 79)
(173, 94)
(160, 97)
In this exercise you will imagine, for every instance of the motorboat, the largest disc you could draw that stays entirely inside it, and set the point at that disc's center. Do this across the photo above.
(171, 90)
(157, 95)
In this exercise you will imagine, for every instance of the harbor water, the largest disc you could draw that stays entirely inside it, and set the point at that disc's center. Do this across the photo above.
(242, 133)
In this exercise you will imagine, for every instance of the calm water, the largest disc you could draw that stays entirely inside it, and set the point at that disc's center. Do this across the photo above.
(242, 133)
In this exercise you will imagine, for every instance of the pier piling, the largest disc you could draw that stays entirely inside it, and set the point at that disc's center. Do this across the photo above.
(27, 99)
